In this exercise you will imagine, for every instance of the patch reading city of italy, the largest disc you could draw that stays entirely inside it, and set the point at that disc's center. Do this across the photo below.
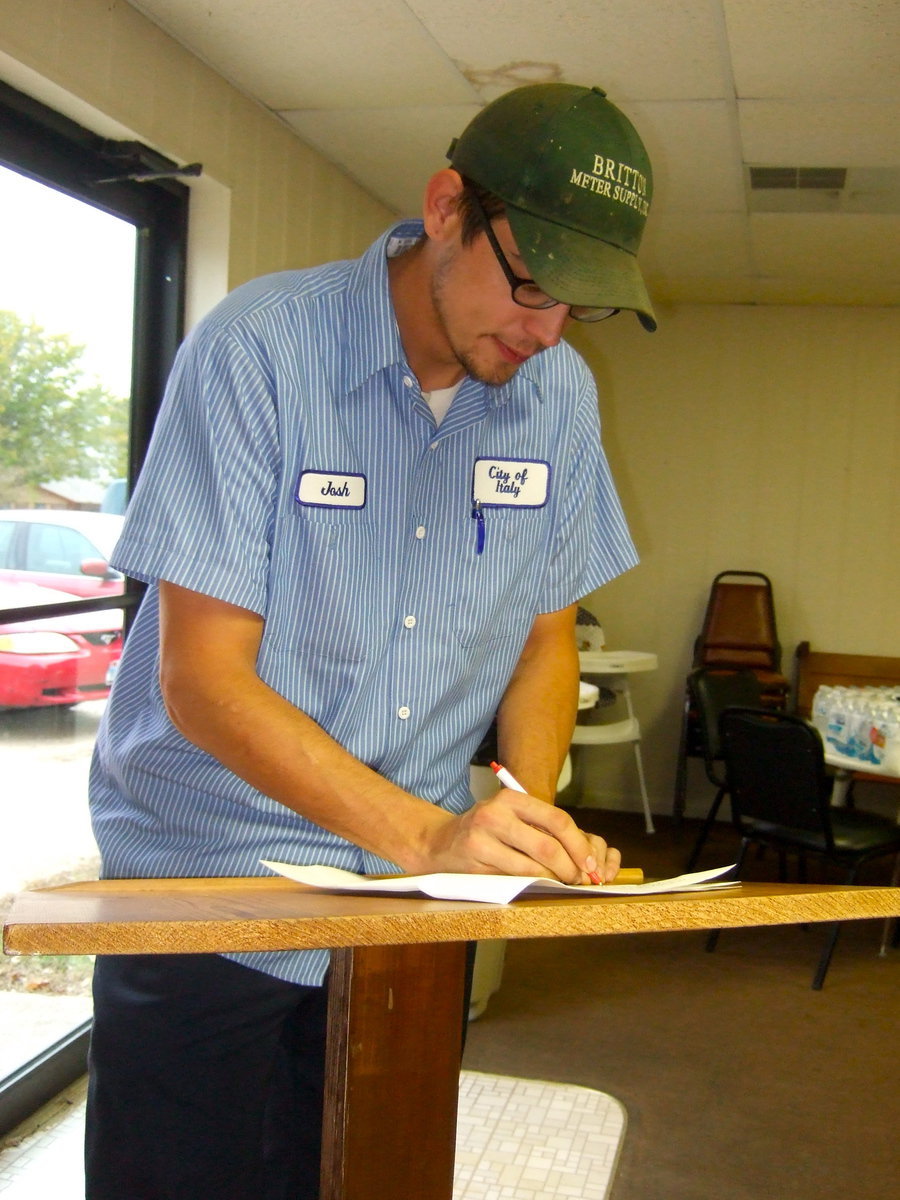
(524, 483)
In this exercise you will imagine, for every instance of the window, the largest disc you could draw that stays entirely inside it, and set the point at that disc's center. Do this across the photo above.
(53, 548)
(56, 666)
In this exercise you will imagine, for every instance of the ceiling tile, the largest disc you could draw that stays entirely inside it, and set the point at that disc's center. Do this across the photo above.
(827, 246)
(316, 54)
(695, 151)
(790, 290)
(393, 151)
(814, 49)
(677, 243)
(830, 133)
(702, 289)
(632, 48)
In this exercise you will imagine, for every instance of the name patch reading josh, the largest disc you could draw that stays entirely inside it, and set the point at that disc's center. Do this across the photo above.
(509, 481)
(332, 489)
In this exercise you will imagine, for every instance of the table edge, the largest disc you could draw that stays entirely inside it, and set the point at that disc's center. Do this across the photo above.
(128, 917)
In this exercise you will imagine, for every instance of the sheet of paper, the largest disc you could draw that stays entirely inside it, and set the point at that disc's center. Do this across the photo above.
(489, 889)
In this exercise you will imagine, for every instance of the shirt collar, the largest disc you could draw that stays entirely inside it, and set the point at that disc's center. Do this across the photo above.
(369, 308)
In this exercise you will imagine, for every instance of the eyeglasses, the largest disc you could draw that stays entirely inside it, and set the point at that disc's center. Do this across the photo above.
(525, 291)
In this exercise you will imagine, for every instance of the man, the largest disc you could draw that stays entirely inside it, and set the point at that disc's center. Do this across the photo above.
(374, 497)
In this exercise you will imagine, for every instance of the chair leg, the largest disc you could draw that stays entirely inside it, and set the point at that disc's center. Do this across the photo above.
(645, 799)
(704, 831)
(830, 943)
(681, 768)
(825, 960)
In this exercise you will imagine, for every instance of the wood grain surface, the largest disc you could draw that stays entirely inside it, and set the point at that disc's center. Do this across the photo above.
(207, 915)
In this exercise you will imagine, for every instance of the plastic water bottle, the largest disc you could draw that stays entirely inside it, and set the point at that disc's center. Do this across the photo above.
(879, 716)
(836, 729)
(820, 705)
(890, 759)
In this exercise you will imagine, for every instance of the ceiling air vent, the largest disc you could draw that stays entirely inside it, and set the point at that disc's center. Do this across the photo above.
(762, 178)
(823, 189)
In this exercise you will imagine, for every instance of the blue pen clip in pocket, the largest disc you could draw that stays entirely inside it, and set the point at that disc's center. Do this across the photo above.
(478, 517)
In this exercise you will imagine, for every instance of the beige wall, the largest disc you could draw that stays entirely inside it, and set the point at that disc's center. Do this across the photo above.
(751, 438)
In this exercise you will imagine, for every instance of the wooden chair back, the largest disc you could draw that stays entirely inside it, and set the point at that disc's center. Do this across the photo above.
(813, 668)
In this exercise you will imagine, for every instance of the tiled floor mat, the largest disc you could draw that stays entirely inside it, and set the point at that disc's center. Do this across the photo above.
(522, 1139)
(518, 1139)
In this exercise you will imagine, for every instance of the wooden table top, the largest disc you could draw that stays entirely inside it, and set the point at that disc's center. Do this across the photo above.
(272, 913)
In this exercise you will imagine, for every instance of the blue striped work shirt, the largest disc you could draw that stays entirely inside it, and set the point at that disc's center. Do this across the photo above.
(297, 471)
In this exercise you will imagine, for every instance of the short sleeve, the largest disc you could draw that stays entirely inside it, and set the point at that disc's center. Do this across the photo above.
(592, 544)
(202, 511)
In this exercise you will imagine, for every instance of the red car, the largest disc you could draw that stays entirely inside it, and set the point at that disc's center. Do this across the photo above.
(55, 660)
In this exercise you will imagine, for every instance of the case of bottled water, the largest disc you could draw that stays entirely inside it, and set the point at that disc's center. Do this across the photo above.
(861, 723)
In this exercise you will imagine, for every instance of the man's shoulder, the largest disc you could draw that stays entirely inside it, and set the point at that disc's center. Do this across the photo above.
(281, 288)
(260, 311)
(560, 365)
(323, 288)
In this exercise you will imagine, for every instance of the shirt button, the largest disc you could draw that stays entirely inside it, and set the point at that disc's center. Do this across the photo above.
(403, 712)
(407, 381)
(420, 532)
(409, 622)
(434, 446)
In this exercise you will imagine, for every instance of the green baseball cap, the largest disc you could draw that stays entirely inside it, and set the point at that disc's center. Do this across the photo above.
(577, 184)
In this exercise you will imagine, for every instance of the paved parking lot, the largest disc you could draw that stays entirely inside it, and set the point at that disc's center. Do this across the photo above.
(44, 761)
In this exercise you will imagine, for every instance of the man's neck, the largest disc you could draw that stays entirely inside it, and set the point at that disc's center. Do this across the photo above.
(425, 345)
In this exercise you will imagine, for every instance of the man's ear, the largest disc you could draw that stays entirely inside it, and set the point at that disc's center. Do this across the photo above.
(439, 205)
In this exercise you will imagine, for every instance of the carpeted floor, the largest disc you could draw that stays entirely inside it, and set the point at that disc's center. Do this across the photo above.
(739, 1081)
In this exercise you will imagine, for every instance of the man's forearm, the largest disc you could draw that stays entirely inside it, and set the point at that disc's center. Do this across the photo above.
(537, 713)
(215, 698)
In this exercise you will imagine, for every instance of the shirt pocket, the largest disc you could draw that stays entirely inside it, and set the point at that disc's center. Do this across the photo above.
(325, 571)
(496, 591)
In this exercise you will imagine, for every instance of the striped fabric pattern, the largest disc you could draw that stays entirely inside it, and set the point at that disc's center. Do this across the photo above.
(382, 621)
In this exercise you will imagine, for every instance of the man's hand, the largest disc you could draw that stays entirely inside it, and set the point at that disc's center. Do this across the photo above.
(512, 833)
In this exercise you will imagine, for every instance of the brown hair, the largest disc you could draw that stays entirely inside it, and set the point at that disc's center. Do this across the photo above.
(470, 220)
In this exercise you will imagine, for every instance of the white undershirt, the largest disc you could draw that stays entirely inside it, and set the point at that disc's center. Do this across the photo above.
(440, 400)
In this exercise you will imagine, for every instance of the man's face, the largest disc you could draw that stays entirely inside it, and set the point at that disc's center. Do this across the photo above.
(487, 333)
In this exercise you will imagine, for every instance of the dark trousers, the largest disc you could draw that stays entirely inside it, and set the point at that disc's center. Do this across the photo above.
(206, 1082)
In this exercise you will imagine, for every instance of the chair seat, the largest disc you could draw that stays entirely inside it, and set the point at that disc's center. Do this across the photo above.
(855, 832)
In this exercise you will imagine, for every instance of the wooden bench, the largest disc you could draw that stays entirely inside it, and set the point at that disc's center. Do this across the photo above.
(812, 668)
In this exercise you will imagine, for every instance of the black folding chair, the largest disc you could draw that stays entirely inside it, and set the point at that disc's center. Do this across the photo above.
(780, 796)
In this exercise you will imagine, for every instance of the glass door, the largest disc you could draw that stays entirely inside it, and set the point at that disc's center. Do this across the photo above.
(92, 262)
(67, 292)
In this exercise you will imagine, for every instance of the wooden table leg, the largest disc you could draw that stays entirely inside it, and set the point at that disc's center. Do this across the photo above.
(394, 1041)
